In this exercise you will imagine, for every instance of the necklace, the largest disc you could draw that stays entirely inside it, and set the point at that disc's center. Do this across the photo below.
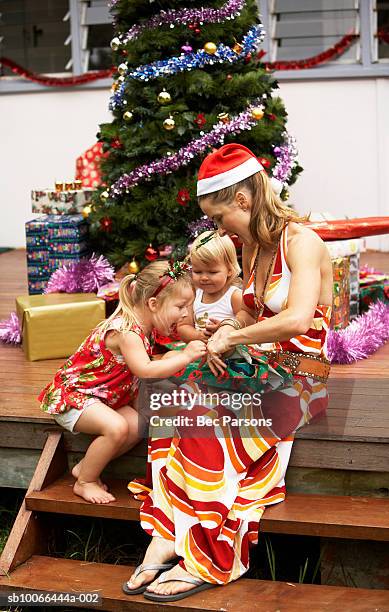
(260, 303)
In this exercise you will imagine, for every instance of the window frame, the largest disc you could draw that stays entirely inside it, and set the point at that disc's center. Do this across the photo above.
(370, 67)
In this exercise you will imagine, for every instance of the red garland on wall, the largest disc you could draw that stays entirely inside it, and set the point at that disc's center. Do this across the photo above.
(338, 49)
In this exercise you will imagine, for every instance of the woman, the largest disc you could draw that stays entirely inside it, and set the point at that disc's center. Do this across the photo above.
(207, 497)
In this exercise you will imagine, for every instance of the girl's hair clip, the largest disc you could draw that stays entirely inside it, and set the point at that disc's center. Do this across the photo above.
(206, 239)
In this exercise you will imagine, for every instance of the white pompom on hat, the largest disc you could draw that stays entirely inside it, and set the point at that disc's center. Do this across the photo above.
(225, 167)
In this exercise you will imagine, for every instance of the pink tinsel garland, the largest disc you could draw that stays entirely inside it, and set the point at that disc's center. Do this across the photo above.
(364, 336)
(84, 276)
(10, 330)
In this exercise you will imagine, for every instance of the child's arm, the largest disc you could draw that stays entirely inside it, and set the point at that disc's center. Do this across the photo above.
(187, 331)
(132, 348)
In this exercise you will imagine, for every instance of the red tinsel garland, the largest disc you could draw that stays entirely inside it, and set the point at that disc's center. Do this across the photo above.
(338, 49)
(56, 81)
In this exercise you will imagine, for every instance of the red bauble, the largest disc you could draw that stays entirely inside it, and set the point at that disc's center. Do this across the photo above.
(271, 116)
(116, 144)
(150, 253)
(183, 197)
(106, 224)
(247, 58)
(264, 162)
(200, 120)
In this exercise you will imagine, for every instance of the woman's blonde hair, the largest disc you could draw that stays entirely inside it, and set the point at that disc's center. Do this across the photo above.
(210, 247)
(137, 289)
(269, 214)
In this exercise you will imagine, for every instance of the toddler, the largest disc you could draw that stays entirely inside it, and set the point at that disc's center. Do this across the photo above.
(95, 391)
(215, 271)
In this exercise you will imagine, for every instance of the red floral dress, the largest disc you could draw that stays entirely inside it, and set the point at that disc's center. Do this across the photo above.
(93, 372)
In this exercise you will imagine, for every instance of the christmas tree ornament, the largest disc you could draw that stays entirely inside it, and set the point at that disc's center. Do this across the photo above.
(238, 48)
(150, 253)
(114, 87)
(200, 120)
(104, 195)
(169, 124)
(271, 116)
(210, 48)
(187, 48)
(257, 113)
(122, 68)
(106, 224)
(115, 43)
(247, 58)
(223, 117)
(128, 116)
(285, 195)
(133, 266)
(164, 97)
(229, 77)
(121, 79)
(86, 211)
(183, 197)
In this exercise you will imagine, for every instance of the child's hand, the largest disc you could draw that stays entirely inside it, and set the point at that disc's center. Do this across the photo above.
(212, 325)
(195, 349)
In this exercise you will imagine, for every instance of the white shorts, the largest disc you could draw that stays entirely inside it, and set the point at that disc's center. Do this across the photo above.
(68, 419)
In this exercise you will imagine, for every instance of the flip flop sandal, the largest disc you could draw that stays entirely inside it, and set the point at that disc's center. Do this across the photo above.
(144, 568)
(200, 586)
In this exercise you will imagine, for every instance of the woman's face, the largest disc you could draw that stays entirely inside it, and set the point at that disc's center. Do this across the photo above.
(231, 218)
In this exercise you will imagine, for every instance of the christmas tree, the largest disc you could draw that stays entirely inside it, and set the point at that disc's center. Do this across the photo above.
(188, 80)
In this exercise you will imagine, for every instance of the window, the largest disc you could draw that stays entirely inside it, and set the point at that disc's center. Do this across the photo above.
(301, 29)
(382, 30)
(35, 34)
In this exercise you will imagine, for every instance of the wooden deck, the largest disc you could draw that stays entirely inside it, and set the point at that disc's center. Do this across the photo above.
(354, 435)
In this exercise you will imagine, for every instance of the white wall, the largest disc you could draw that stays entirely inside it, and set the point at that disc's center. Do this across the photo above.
(341, 126)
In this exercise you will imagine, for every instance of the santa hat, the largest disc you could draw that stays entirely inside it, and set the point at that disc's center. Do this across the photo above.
(225, 167)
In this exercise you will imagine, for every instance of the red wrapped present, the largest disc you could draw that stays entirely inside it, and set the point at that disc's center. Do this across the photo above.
(88, 166)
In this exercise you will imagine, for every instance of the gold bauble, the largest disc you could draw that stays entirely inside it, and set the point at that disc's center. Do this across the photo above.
(115, 43)
(210, 48)
(164, 97)
(257, 113)
(122, 68)
(285, 195)
(104, 195)
(169, 123)
(224, 117)
(86, 211)
(133, 267)
(238, 48)
(128, 116)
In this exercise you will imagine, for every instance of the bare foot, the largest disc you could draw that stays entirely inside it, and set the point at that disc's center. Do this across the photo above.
(92, 492)
(159, 551)
(171, 588)
(76, 474)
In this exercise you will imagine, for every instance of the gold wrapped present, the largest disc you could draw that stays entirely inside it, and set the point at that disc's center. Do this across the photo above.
(54, 325)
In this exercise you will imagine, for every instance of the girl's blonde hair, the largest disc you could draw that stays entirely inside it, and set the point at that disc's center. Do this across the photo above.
(136, 290)
(269, 214)
(216, 248)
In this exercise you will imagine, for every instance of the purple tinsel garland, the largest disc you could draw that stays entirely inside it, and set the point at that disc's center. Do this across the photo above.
(172, 18)
(84, 276)
(362, 337)
(286, 158)
(166, 165)
(199, 226)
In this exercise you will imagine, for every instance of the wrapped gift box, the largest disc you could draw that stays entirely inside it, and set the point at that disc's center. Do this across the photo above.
(345, 248)
(51, 241)
(341, 293)
(53, 202)
(374, 286)
(54, 325)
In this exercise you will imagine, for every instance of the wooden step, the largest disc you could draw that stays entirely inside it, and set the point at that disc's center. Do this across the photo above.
(360, 518)
(50, 574)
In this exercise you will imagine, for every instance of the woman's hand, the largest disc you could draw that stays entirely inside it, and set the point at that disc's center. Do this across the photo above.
(219, 343)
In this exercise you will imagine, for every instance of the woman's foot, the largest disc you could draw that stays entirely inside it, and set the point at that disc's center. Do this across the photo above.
(172, 588)
(92, 492)
(76, 474)
(159, 551)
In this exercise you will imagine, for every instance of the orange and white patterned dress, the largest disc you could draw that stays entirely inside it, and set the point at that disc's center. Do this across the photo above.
(208, 494)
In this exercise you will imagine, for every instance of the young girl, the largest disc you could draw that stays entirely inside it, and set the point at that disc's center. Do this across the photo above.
(95, 391)
(215, 269)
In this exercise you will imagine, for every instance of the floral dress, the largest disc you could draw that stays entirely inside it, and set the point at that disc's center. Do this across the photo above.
(93, 372)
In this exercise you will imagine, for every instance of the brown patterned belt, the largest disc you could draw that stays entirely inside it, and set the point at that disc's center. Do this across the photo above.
(304, 364)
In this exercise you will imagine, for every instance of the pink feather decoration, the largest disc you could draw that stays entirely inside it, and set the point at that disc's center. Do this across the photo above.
(364, 336)
(10, 330)
(84, 276)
